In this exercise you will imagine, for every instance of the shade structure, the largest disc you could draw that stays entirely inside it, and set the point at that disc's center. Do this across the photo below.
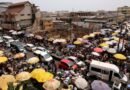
(41, 76)
(77, 42)
(99, 85)
(85, 36)
(3, 59)
(80, 39)
(4, 80)
(104, 45)
(111, 50)
(19, 55)
(38, 74)
(51, 39)
(81, 83)
(51, 84)
(120, 56)
(99, 50)
(106, 39)
(33, 60)
(38, 37)
(1, 53)
(95, 53)
(23, 76)
(60, 41)
(92, 35)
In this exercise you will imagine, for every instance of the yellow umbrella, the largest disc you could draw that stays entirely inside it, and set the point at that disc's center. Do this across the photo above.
(77, 42)
(4, 80)
(85, 37)
(38, 74)
(115, 33)
(104, 45)
(106, 39)
(33, 60)
(51, 84)
(47, 76)
(1, 53)
(23, 76)
(92, 35)
(120, 56)
(116, 38)
(3, 59)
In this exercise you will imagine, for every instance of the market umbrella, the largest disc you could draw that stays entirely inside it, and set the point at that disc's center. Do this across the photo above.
(95, 53)
(111, 50)
(85, 36)
(33, 60)
(51, 84)
(19, 55)
(1, 53)
(92, 35)
(51, 39)
(41, 76)
(99, 50)
(77, 42)
(106, 39)
(80, 39)
(23, 76)
(4, 80)
(38, 37)
(104, 45)
(120, 56)
(8, 78)
(81, 83)
(3, 59)
(38, 74)
(99, 85)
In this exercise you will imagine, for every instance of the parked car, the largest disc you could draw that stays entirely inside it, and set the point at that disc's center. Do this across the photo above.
(18, 46)
(75, 60)
(47, 57)
(67, 64)
(29, 47)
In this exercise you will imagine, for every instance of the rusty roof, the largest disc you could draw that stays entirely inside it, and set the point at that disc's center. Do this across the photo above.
(16, 8)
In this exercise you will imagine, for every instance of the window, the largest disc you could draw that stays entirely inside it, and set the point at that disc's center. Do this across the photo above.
(29, 14)
(22, 14)
(105, 72)
(95, 69)
(116, 75)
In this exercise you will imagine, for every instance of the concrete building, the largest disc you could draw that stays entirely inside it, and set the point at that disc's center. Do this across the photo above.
(3, 7)
(18, 15)
(124, 10)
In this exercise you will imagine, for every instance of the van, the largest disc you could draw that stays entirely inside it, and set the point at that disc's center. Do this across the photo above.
(106, 71)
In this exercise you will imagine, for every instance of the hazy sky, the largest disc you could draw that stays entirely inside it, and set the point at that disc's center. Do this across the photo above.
(76, 5)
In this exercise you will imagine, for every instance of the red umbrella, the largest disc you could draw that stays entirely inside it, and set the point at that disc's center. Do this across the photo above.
(99, 50)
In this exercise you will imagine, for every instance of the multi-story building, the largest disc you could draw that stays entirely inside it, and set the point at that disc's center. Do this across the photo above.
(3, 7)
(124, 10)
(18, 15)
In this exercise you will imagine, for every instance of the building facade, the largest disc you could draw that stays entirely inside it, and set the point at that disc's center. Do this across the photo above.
(124, 10)
(3, 7)
(18, 16)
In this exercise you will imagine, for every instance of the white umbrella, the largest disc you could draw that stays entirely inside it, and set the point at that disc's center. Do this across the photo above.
(37, 52)
(81, 83)
(95, 53)
(111, 50)
(38, 37)
(99, 85)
